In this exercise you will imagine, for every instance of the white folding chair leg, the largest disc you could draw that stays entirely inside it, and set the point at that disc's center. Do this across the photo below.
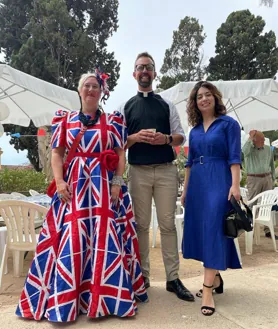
(178, 222)
(3, 266)
(271, 229)
(18, 262)
(179, 240)
(249, 243)
(257, 233)
(238, 250)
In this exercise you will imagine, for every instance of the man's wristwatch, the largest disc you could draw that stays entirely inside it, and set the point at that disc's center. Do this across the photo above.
(170, 139)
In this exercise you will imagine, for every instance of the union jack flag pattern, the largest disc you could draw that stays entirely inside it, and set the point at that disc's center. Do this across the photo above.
(87, 258)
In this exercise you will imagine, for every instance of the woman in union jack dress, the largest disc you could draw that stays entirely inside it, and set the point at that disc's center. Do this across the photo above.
(87, 258)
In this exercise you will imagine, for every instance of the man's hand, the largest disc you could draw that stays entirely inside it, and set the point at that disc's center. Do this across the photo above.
(145, 136)
(159, 139)
(252, 134)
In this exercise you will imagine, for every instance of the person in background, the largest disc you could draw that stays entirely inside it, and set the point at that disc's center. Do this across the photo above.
(260, 168)
(154, 127)
(212, 177)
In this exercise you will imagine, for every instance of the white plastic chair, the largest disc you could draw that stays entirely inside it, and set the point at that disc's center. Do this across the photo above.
(6, 196)
(179, 219)
(275, 212)
(238, 250)
(262, 215)
(3, 238)
(244, 194)
(154, 225)
(33, 192)
(19, 217)
(19, 195)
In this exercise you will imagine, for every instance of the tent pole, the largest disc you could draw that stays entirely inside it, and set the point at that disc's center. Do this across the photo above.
(15, 103)
(275, 108)
(236, 113)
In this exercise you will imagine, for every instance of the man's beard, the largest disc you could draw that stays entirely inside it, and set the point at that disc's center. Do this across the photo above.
(144, 84)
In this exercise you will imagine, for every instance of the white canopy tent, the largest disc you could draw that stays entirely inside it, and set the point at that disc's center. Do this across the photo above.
(253, 103)
(275, 143)
(29, 98)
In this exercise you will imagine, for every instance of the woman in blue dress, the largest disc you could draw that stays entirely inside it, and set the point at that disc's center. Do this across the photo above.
(212, 177)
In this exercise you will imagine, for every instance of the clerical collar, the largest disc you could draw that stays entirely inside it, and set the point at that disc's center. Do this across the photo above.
(260, 148)
(145, 93)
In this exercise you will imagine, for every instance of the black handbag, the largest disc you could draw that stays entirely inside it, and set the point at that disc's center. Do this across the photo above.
(238, 220)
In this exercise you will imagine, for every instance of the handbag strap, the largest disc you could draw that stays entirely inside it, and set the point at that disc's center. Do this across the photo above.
(74, 145)
(77, 140)
(103, 128)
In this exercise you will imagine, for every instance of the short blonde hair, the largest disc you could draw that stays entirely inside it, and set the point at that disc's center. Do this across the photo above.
(84, 77)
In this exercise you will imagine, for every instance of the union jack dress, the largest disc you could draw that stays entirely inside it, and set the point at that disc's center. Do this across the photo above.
(87, 258)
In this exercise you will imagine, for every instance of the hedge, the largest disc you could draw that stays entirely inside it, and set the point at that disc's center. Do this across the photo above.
(22, 180)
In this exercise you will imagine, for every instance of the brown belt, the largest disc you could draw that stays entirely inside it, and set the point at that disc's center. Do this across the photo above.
(259, 175)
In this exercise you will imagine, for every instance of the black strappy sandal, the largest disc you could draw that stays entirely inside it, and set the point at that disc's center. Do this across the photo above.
(218, 290)
(208, 308)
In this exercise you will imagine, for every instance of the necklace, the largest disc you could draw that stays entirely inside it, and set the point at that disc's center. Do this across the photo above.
(88, 122)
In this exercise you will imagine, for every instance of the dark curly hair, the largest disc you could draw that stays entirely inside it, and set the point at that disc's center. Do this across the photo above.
(194, 114)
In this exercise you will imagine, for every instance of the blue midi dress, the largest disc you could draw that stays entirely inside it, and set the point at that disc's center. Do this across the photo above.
(211, 154)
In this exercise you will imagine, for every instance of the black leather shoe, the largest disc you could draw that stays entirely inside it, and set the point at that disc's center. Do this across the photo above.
(179, 289)
(268, 235)
(147, 282)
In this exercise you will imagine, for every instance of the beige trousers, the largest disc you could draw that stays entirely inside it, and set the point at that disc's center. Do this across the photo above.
(257, 185)
(161, 183)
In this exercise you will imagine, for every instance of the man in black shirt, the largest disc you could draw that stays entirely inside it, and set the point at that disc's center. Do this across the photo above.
(154, 127)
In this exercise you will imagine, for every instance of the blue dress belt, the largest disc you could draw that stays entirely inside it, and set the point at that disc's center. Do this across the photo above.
(205, 159)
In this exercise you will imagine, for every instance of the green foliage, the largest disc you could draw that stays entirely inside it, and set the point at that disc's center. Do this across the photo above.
(243, 176)
(183, 61)
(272, 135)
(166, 82)
(125, 175)
(59, 47)
(242, 50)
(22, 180)
(13, 18)
(268, 3)
(57, 41)
(180, 163)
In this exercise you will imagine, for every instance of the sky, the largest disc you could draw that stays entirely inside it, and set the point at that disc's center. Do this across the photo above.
(148, 25)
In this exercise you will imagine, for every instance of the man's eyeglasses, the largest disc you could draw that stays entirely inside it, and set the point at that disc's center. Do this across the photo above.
(141, 67)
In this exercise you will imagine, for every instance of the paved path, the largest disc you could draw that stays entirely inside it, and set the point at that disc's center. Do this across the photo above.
(250, 301)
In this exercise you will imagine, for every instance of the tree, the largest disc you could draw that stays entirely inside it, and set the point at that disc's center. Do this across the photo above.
(13, 18)
(166, 82)
(268, 3)
(242, 50)
(57, 41)
(183, 61)
(58, 49)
